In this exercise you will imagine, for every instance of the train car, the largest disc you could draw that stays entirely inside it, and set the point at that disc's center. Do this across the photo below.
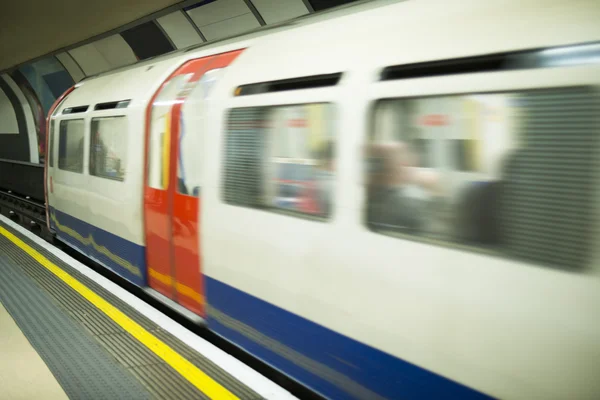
(397, 200)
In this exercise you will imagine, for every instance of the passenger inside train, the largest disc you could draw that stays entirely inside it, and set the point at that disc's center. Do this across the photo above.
(465, 183)
(393, 198)
(324, 177)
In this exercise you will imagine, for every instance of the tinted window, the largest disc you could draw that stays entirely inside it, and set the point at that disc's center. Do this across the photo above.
(281, 158)
(190, 161)
(108, 147)
(160, 132)
(70, 146)
(509, 172)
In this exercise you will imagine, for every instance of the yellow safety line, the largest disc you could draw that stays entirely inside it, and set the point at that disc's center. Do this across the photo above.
(180, 287)
(193, 374)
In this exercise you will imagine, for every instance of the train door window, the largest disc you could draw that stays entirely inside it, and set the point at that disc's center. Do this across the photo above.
(51, 145)
(160, 132)
(108, 147)
(510, 173)
(191, 135)
(281, 158)
(71, 145)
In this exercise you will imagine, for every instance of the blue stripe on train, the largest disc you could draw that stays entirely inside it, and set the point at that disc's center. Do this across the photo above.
(323, 360)
(327, 362)
(123, 257)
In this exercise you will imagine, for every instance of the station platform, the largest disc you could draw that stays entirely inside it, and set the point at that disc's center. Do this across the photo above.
(68, 333)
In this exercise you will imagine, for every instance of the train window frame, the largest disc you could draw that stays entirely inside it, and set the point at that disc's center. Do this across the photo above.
(51, 143)
(194, 103)
(263, 206)
(376, 98)
(83, 138)
(92, 143)
(157, 177)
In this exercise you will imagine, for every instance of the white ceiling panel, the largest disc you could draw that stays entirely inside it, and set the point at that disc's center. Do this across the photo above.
(116, 51)
(179, 29)
(280, 10)
(71, 66)
(218, 11)
(229, 27)
(103, 55)
(90, 59)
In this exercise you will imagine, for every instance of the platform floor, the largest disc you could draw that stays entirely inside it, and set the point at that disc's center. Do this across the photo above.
(62, 335)
(23, 374)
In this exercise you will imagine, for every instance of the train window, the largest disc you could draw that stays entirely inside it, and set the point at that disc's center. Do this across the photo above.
(108, 147)
(191, 135)
(51, 144)
(281, 158)
(70, 145)
(511, 173)
(160, 132)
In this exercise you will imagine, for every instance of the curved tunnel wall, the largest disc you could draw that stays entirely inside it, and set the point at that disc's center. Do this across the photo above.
(14, 133)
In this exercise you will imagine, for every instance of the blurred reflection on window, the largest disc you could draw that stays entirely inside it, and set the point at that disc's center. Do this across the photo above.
(192, 132)
(281, 158)
(108, 147)
(70, 145)
(510, 172)
(160, 132)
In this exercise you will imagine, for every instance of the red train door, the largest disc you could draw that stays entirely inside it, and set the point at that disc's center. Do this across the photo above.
(171, 205)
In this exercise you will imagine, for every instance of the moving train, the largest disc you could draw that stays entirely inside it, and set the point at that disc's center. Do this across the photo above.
(391, 200)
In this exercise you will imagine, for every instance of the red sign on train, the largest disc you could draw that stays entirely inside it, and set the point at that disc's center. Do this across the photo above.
(434, 120)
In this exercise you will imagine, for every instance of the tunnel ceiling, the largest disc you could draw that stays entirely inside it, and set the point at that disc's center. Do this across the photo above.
(53, 47)
(32, 28)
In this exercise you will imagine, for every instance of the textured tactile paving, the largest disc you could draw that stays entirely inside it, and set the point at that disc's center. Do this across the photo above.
(80, 365)
(149, 370)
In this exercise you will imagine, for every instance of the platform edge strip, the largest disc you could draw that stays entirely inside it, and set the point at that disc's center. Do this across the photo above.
(193, 374)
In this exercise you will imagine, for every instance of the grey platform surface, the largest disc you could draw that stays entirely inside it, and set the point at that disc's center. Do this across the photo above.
(23, 374)
(80, 365)
(91, 356)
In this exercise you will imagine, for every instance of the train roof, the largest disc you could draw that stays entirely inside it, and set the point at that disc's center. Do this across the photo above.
(140, 80)
(372, 36)
(421, 30)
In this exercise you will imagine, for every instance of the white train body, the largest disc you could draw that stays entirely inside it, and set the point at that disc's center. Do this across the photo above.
(348, 310)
